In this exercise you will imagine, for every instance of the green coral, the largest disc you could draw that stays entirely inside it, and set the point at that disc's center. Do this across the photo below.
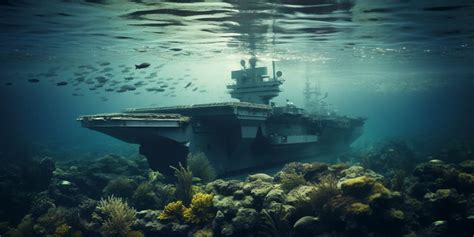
(173, 211)
(115, 216)
(184, 184)
(201, 209)
(200, 166)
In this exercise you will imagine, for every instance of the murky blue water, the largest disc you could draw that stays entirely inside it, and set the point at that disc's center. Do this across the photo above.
(407, 66)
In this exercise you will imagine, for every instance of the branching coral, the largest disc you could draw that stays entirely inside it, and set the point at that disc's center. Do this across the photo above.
(115, 216)
(201, 209)
(173, 211)
(184, 184)
(201, 167)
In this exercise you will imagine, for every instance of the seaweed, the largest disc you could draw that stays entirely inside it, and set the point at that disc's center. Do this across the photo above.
(184, 184)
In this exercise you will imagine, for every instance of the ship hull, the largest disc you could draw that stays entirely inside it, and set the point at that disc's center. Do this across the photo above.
(235, 137)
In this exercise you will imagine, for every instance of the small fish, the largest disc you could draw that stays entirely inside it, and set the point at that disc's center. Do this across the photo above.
(142, 65)
(104, 64)
(34, 80)
(128, 78)
(8, 84)
(176, 49)
(62, 83)
(188, 85)
(195, 89)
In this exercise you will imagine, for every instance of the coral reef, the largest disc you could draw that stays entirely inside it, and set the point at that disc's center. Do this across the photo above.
(428, 197)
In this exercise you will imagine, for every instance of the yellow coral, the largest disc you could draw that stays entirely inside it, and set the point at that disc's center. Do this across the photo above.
(359, 209)
(378, 191)
(201, 209)
(62, 230)
(359, 186)
(173, 211)
(366, 188)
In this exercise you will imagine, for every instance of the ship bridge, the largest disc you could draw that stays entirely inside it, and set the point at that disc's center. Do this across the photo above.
(253, 85)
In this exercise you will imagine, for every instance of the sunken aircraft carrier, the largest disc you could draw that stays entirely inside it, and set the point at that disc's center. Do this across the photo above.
(235, 136)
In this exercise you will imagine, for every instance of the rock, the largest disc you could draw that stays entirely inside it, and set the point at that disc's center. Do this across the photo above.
(275, 195)
(223, 187)
(239, 194)
(260, 176)
(227, 230)
(258, 189)
(358, 171)
(299, 194)
(245, 219)
(306, 226)
(438, 228)
(467, 166)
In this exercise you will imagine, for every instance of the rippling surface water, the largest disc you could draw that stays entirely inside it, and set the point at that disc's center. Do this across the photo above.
(406, 65)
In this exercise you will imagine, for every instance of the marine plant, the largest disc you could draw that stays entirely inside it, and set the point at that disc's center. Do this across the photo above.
(184, 184)
(291, 180)
(201, 209)
(200, 166)
(50, 221)
(274, 223)
(326, 189)
(121, 187)
(115, 216)
(144, 197)
(173, 211)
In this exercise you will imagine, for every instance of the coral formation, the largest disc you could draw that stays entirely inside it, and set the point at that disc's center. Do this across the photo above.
(115, 216)
(201, 209)
(173, 211)
(433, 197)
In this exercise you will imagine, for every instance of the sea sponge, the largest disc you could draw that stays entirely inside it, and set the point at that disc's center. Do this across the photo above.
(173, 211)
(201, 209)
(115, 216)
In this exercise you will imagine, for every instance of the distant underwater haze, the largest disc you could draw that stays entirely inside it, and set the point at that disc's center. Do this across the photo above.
(406, 66)
(236, 118)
